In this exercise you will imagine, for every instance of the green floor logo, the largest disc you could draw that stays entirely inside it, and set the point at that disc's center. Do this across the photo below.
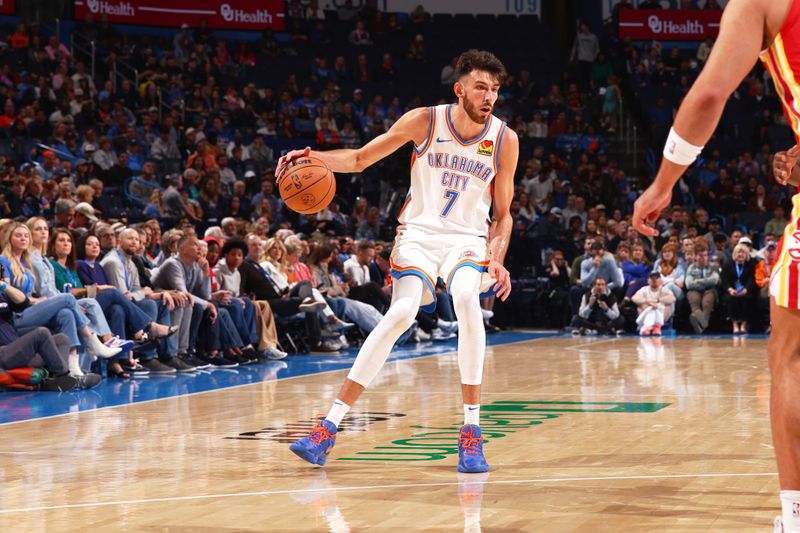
(498, 419)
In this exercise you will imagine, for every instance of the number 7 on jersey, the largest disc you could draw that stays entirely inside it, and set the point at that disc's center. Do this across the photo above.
(451, 196)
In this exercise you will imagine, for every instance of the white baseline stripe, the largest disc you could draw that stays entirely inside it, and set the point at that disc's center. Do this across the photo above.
(376, 487)
(181, 11)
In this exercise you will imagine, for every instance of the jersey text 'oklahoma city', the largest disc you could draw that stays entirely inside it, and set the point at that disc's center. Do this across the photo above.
(451, 178)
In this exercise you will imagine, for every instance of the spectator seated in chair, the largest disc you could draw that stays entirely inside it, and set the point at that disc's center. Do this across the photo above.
(701, 282)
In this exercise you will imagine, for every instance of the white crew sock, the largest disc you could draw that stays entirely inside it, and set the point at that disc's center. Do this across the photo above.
(337, 412)
(472, 414)
(790, 507)
(74, 364)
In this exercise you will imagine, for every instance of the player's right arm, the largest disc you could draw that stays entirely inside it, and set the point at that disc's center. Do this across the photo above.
(413, 126)
(736, 50)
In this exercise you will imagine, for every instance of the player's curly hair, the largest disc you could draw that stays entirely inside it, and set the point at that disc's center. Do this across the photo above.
(480, 60)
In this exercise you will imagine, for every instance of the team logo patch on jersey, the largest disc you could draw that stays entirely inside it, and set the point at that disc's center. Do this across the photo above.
(468, 253)
(486, 148)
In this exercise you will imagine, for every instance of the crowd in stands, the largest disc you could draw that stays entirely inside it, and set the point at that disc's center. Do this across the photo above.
(147, 207)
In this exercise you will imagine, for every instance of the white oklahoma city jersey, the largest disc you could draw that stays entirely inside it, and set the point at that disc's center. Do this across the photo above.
(452, 178)
(445, 218)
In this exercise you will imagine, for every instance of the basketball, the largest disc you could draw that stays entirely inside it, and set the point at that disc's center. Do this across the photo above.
(308, 186)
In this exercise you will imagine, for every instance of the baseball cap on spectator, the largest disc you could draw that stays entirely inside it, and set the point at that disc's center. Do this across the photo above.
(189, 131)
(249, 174)
(86, 210)
(555, 211)
(600, 207)
(715, 220)
(358, 91)
(117, 227)
(747, 241)
(48, 153)
(654, 274)
(152, 109)
(90, 148)
(78, 91)
(80, 162)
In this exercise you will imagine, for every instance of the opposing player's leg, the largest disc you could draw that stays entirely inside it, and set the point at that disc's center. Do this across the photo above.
(406, 296)
(784, 362)
(464, 288)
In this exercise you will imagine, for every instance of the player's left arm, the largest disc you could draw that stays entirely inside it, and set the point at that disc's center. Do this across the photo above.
(500, 230)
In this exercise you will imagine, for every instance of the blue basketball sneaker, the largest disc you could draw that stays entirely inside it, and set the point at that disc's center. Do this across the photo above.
(316, 447)
(470, 450)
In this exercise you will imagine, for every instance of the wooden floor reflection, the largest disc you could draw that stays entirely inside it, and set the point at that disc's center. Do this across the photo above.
(585, 435)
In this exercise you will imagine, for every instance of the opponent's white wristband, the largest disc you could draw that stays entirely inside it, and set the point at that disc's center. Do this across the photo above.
(679, 151)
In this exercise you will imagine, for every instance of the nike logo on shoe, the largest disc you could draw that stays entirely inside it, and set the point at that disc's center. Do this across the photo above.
(438, 140)
(472, 408)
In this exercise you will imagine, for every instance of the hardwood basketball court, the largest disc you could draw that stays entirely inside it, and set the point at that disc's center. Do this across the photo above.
(583, 434)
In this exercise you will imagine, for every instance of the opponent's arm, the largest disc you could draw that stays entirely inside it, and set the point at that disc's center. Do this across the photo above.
(413, 126)
(733, 56)
(785, 168)
(500, 230)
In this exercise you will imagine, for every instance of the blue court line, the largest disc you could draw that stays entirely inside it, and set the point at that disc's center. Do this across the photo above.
(22, 406)
(669, 335)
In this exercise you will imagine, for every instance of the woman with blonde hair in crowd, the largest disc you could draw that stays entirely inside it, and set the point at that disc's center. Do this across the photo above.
(155, 208)
(45, 285)
(289, 275)
(738, 282)
(60, 312)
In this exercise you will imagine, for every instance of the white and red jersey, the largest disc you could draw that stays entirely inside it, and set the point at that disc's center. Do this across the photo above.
(452, 178)
(782, 60)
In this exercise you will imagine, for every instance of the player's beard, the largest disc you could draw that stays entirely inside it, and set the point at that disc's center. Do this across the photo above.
(473, 112)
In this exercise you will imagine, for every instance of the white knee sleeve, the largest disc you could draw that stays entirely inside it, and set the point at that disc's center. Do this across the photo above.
(471, 333)
(406, 297)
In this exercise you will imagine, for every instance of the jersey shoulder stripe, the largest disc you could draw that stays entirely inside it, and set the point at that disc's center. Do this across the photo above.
(431, 127)
(496, 159)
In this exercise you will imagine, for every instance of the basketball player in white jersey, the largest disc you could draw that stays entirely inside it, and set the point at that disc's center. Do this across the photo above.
(462, 167)
(769, 30)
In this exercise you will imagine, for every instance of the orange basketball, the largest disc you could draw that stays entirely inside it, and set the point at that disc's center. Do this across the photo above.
(308, 186)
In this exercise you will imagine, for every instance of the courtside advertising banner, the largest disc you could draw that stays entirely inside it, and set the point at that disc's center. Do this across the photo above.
(220, 14)
(669, 24)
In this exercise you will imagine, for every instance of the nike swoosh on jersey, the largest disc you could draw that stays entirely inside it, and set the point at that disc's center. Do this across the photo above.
(438, 140)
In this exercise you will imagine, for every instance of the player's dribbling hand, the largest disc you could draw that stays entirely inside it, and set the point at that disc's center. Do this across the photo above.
(503, 285)
(783, 163)
(285, 161)
(647, 208)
